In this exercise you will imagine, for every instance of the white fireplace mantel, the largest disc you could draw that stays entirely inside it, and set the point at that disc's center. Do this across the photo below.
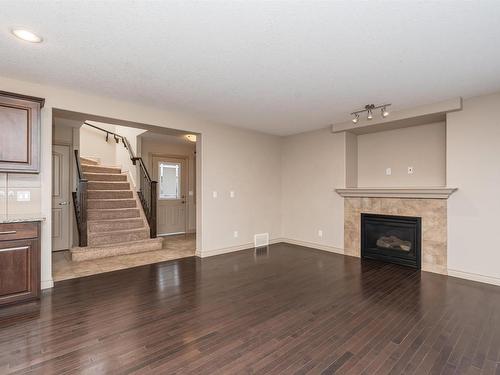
(440, 192)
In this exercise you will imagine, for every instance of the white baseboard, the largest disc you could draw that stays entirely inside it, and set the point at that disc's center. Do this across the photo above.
(474, 277)
(47, 284)
(225, 250)
(451, 272)
(250, 245)
(313, 245)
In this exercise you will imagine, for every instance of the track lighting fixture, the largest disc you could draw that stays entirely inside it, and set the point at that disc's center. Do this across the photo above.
(369, 108)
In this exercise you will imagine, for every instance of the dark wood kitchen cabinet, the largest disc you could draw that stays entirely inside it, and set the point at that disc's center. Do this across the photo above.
(19, 262)
(20, 133)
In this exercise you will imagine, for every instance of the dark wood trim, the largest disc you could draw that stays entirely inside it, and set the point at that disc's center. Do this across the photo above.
(153, 216)
(80, 197)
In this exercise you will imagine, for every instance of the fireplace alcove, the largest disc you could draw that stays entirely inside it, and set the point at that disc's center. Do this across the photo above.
(393, 239)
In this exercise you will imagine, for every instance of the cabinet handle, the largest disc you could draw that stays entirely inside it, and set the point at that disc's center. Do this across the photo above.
(14, 249)
(9, 232)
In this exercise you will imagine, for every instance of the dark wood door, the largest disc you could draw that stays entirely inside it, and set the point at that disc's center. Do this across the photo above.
(19, 268)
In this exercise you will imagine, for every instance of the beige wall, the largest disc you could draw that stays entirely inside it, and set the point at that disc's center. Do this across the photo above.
(287, 184)
(122, 156)
(93, 144)
(171, 146)
(473, 158)
(312, 165)
(246, 161)
(421, 147)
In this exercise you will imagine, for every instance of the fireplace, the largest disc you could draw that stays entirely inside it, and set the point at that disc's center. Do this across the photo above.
(394, 239)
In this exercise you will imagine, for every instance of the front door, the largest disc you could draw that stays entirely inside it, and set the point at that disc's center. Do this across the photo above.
(60, 197)
(171, 175)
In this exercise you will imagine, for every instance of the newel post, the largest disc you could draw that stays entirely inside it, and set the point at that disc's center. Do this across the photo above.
(152, 213)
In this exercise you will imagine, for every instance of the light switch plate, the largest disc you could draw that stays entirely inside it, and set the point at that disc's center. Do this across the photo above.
(231, 194)
(410, 170)
(388, 171)
(214, 194)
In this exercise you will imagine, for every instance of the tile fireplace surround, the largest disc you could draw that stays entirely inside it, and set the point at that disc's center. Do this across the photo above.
(434, 226)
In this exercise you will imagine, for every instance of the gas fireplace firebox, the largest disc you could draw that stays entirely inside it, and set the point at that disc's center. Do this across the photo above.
(394, 239)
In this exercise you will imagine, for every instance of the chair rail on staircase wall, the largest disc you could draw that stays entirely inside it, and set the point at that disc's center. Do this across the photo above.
(80, 203)
(146, 186)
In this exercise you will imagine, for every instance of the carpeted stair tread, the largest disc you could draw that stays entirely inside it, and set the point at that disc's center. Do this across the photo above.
(89, 168)
(99, 226)
(108, 185)
(88, 161)
(118, 237)
(111, 203)
(105, 176)
(110, 194)
(116, 213)
(87, 253)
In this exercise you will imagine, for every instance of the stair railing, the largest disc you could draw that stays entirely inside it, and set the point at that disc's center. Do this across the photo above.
(80, 197)
(146, 186)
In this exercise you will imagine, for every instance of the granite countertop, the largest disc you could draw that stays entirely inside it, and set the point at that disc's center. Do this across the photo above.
(20, 218)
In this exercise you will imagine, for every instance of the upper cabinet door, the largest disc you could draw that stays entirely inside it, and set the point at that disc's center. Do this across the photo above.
(20, 133)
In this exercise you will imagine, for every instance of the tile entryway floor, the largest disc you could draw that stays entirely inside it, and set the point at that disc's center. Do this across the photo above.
(174, 247)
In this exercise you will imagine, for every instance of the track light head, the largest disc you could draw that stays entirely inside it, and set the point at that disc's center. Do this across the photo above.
(369, 108)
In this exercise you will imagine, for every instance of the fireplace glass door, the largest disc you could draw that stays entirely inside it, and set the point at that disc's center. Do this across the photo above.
(394, 239)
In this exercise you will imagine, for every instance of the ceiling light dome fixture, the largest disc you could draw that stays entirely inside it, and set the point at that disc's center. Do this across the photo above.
(26, 35)
(369, 108)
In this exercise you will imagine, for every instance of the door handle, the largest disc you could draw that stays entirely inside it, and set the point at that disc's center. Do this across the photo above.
(63, 203)
(9, 232)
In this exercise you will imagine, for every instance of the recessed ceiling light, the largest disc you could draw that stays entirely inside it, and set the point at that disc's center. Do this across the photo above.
(191, 137)
(27, 35)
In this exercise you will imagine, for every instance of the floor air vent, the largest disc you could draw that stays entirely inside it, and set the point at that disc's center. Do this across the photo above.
(261, 252)
(261, 240)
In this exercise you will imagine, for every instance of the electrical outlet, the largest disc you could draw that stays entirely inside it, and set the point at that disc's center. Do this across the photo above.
(231, 194)
(388, 171)
(410, 170)
(320, 233)
(235, 234)
(214, 194)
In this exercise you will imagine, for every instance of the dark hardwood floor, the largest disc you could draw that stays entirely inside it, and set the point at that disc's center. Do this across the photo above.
(293, 311)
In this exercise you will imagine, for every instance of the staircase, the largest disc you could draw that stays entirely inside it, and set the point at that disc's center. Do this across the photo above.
(116, 224)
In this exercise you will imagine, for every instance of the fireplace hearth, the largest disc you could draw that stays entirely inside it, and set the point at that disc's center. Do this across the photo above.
(393, 239)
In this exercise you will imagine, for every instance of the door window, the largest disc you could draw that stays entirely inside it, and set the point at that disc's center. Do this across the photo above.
(170, 180)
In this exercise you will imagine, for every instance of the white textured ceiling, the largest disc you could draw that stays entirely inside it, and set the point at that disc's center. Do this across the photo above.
(278, 67)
